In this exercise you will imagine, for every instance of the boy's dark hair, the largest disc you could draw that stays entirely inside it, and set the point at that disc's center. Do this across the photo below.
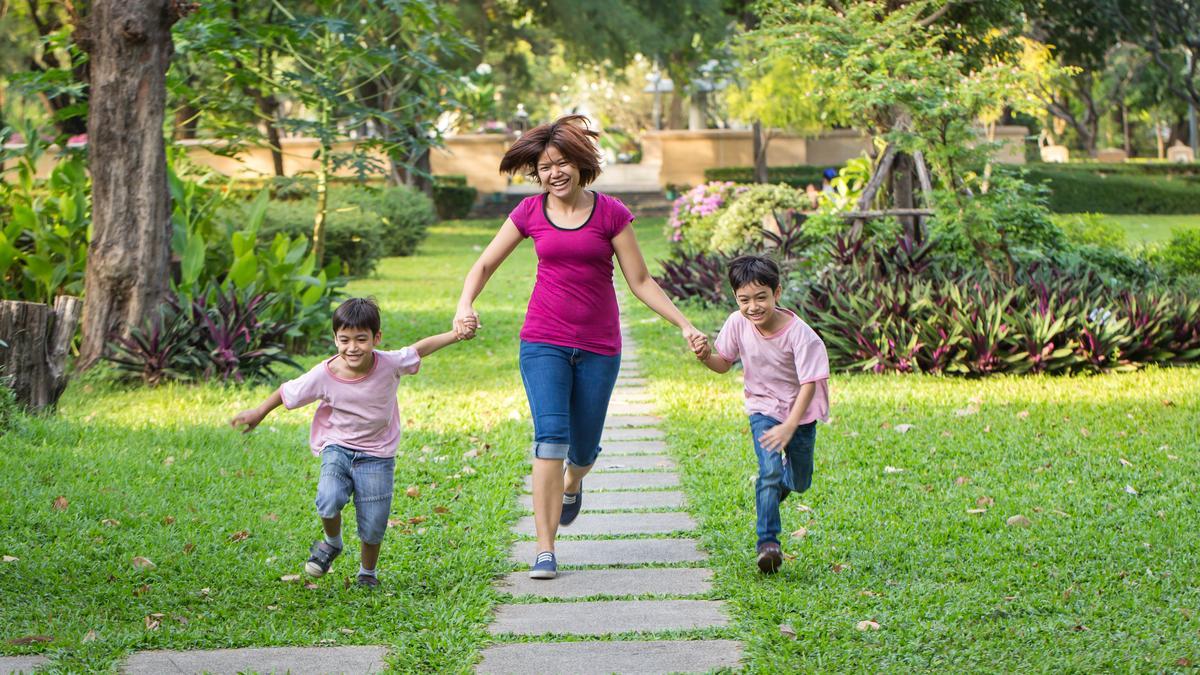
(753, 269)
(357, 313)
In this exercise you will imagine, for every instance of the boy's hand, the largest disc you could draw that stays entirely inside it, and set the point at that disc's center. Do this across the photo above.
(777, 437)
(250, 418)
(702, 348)
(466, 322)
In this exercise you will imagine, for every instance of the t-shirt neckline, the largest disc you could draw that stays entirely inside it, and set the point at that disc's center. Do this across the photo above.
(546, 212)
(779, 332)
(339, 378)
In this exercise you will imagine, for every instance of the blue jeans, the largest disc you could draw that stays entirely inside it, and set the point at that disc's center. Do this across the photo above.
(345, 471)
(568, 391)
(777, 480)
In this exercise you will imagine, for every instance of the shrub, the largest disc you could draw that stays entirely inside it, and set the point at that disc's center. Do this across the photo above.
(453, 197)
(404, 212)
(1091, 229)
(797, 176)
(1181, 255)
(354, 236)
(694, 215)
(741, 225)
(1073, 191)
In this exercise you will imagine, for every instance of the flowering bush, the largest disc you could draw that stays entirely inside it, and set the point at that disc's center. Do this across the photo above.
(694, 215)
(755, 210)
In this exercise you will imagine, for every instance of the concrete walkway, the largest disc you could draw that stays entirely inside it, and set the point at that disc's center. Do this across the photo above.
(620, 586)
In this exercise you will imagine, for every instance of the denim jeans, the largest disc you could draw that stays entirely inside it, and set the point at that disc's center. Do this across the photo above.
(345, 471)
(777, 480)
(568, 391)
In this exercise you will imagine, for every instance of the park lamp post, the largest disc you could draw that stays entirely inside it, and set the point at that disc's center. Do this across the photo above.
(658, 86)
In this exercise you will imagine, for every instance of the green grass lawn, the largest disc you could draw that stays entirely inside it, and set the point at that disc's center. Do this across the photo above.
(1153, 229)
(1102, 580)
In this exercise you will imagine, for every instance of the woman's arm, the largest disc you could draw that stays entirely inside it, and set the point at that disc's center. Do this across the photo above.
(501, 246)
(633, 266)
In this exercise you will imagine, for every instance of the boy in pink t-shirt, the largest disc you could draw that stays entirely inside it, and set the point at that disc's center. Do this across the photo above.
(787, 390)
(355, 429)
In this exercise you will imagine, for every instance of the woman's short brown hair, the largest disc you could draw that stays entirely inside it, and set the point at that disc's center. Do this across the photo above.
(569, 134)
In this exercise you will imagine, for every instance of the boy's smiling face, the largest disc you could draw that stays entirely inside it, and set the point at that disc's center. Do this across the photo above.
(355, 346)
(757, 303)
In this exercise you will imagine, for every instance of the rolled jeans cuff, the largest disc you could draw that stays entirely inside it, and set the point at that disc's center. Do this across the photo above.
(550, 450)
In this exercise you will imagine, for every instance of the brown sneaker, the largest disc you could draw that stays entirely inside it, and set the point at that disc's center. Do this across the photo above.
(770, 557)
(368, 581)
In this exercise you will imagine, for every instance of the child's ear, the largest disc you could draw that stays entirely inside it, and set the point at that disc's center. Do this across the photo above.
(778, 292)
(378, 337)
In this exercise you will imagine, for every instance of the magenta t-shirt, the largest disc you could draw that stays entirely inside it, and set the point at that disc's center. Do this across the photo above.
(573, 303)
(361, 414)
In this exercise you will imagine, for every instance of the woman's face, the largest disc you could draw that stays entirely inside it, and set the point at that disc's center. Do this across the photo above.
(557, 175)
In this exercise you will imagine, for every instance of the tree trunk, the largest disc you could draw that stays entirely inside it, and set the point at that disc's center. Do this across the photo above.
(38, 340)
(318, 238)
(760, 154)
(1125, 130)
(902, 190)
(127, 270)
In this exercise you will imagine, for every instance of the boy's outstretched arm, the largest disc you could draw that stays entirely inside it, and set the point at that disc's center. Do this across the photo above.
(710, 358)
(426, 346)
(252, 417)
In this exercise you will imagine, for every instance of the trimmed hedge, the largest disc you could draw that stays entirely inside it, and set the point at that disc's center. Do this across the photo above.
(1077, 190)
(452, 197)
(797, 176)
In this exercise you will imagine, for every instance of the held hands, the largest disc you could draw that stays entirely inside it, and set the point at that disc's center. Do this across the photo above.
(250, 418)
(777, 437)
(466, 322)
(698, 343)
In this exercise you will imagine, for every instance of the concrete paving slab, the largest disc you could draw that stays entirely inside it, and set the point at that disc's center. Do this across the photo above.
(586, 583)
(630, 382)
(624, 481)
(614, 551)
(607, 617)
(631, 434)
(617, 523)
(623, 501)
(616, 409)
(603, 658)
(622, 421)
(624, 448)
(21, 664)
(295, 660)
(634, 463)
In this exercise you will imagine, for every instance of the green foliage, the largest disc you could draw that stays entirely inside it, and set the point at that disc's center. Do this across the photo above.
(694, 215)
(10, 410)
(741, 225)
(1182, 253)
(354, 237)
(1093, 229)
(797, 176)
(1073, 190)
(45, 227)
(453, 201)
(404, 214)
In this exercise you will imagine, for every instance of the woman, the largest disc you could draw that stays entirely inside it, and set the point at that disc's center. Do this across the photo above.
(571, 339)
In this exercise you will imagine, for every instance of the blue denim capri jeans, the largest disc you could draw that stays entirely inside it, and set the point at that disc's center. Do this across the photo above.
(568, 391)
(345, 472)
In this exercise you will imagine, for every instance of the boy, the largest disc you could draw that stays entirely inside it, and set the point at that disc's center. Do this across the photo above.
(355, 429)
(786, 383)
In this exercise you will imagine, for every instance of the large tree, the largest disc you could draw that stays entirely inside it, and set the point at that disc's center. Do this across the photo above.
(129, 42)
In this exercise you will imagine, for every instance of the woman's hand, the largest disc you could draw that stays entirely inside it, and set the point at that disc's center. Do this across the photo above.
(466, 322)
(697, 341)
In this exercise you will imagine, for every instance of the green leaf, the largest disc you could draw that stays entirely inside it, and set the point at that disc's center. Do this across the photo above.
(192, 263)
(258, 211)
(244, 270)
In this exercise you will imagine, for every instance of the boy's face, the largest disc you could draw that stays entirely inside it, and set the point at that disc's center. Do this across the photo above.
(757, 302)
(354, 345)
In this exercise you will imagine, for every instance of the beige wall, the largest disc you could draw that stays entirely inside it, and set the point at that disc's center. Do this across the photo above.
(680, 156)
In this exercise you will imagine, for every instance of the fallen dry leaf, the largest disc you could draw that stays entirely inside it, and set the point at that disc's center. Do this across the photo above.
(310, 585)
(169, 461)
(985, 501)
(892, 469)
(1130, 491)
(417, 520)
(470, 454)
(31, 639)
(168, 520)
(393, 522)
(789, 556)
(290, 578)
(240, 535)
(867, 625)
(803, 508)
(109, 522)
(271, 517)
(272, 608)
(962, 480)
(1018, 521)
(204, 592)
(60, 504)
(467, 471)
(838, 567)
(141, 590)
(800, 533)
(1024, 414)
(347, 631)
(90, 636)
(903, 428)
(153, 621)
(1083, 431)
(1064, 514)
(1080, 627)
(869, 593)
(1168, 402)
(969, 410)
(1124, 462)
(441, 509)
(143, 563)
(189, 547)
(787, 630)
(9, 558)
(413, 491)
(1184, 663)
(975, 512)
(1172, 457)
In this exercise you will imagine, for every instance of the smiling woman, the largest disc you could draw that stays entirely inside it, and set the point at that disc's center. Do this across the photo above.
(571, 340)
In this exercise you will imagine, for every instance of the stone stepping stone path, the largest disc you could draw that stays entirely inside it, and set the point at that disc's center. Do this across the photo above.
(294, 660)
(21, 664)
(641, 584)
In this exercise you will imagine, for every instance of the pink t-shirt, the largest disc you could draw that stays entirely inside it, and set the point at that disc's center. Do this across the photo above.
(776, 366)
(361, 414)
(573, 303)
